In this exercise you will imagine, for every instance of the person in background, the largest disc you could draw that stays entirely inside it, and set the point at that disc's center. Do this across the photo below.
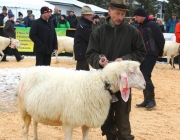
(10, 33)
(27, 20)
(72, 19)
(52, 18)
(20, 17)
(56, 15)
(161, 26)
(7, 18)
(43, 34)
(151, 17)
(3, 15)
(63, 23)
(154, 42)
(177, 34)
(19, 24)
(106, 15)
(116, 41)
(30, 21)
(96, 22)
(170, 26)
(132, 22)
(81, 38)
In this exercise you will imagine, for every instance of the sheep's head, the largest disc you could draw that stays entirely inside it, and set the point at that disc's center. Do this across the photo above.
(14, 43)
(126, 74)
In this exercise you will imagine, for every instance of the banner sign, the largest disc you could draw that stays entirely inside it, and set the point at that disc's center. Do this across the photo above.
(22, 34)
(169, 37)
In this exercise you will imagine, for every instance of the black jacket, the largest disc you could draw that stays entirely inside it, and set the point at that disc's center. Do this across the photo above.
(9, 29)
(43, 34)
(72, 21)
(153, 37)
(81, 38)
(2, 19)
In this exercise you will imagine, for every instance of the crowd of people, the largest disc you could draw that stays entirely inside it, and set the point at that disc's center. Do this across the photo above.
(98, 43)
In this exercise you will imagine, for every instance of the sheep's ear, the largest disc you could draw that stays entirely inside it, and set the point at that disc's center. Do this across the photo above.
(124, 87)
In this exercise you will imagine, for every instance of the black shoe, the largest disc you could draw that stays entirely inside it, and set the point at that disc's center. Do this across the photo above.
(143, 104)
(151, 104)
(4, 60)
(22, 57)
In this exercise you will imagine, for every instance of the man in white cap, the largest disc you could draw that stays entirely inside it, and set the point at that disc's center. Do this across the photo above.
(116, 40)
(81, 39)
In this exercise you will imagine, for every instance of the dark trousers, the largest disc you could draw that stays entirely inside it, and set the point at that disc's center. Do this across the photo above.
(43, 59)
(146, 68)
(15, 52)
(82, 65)
(117, 123)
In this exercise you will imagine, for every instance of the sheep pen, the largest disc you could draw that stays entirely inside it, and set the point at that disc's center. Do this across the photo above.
(163, 119)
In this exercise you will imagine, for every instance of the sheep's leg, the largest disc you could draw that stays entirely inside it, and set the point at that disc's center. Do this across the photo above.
(1, 52)
(27, 121)
(35, 124)
(172, 62)
(57, 61)
(85, 131)
(68, 132)
(168, 60)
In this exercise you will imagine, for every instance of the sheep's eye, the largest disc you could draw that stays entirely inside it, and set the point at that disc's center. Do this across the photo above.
(132, 72)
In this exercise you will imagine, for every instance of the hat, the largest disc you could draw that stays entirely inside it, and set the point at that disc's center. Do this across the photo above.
(119, 4)
(10, 15)
(86, 10)
(20, 14)
(63, 16)
(106, 14)
(140, 12)
(71, 11)
(174, 14)
(4, 8)
(44, 10)
(95, 17)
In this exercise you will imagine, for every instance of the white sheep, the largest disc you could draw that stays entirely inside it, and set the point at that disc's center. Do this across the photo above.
(170, 50)
(70, 99)
(65, 43)
(4, 42)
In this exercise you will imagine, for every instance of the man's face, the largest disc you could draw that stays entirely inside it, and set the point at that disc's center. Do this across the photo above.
(173, 16)
(4, 11)
(116, 15)
(139, 19)
(88, 16)
(71, 13)
(56, 10)
(46, 16)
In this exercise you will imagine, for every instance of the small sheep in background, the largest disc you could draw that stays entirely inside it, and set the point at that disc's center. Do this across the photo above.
(171, 49)
(70, 99)
(66, 44)
(4, 42)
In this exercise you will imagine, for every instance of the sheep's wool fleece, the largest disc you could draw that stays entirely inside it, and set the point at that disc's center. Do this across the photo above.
(67, 97)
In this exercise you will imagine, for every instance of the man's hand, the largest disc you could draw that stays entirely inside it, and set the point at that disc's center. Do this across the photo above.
(103, 61)
(118, 59)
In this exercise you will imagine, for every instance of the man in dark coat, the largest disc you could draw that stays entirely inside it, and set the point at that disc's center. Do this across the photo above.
(3, 15)
(81, 39)
(43, 34)
(116, 41)
(72, 19)
(56, 15)
(154, 42)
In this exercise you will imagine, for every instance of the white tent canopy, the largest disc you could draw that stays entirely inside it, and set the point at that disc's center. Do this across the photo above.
(23, 5)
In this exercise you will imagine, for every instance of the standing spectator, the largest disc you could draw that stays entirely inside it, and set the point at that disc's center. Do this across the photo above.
(10, 33)
(161, 26)
(81, 39)
(27, 20)
(170, 26)
(63, 23)
(7, 18)
(56, 15)
(3, 15)
(106, 15)
(52, 18)
(177, 34)
(117, 41)
(72, 19)
(132, 22)
(96, 22)
(43, 34)
(30, 21)
(154, 41)
(20, 17)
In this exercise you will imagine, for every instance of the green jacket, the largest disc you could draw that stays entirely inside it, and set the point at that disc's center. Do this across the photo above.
(123, 41)
(63, 25)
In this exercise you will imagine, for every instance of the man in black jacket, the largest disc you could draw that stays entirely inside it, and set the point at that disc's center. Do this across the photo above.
(72, 19)
(154, 42)
(81, 39)
(3, 15)
(43, 34)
